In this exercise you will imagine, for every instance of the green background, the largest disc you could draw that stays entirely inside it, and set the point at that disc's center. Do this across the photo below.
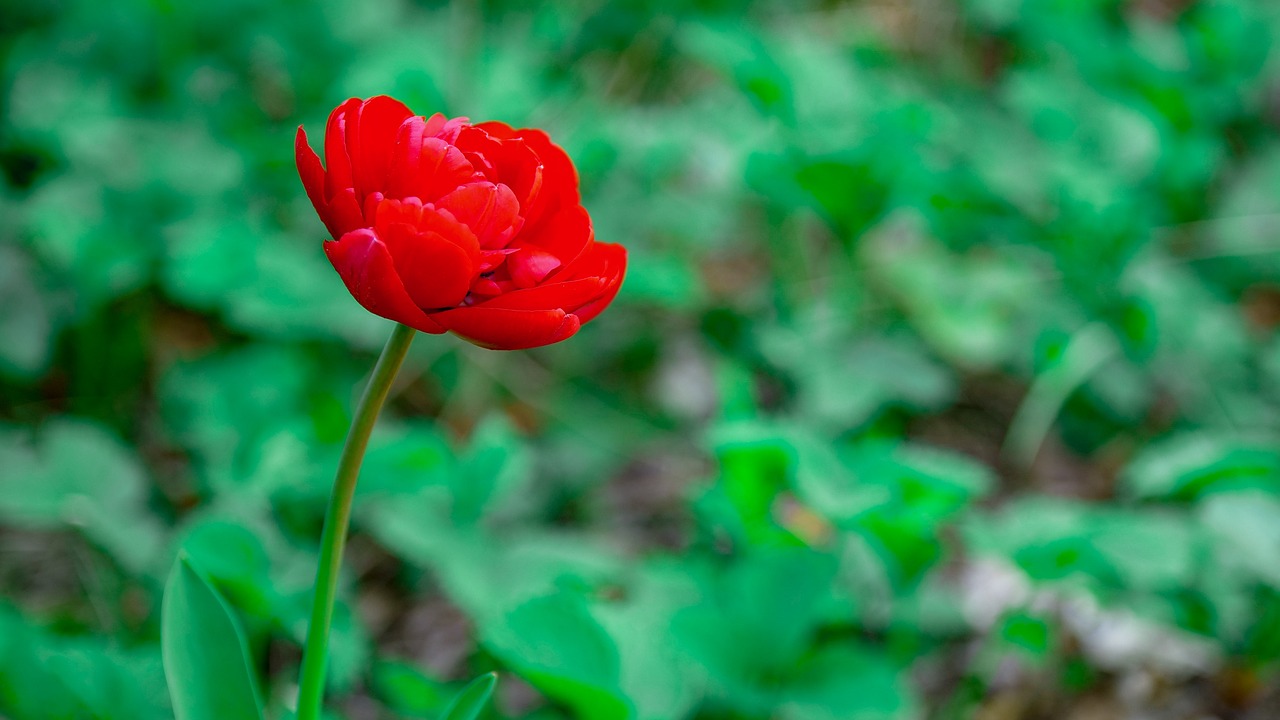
(944, 383)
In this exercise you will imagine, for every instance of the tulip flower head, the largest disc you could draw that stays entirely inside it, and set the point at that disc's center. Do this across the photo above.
(448, 226)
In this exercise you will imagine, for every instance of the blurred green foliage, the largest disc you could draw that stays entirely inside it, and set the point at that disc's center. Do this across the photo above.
(945, 379)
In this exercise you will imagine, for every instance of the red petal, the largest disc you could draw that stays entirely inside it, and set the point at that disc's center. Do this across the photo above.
(490, 259)
(426, 167)
(559, 182)
(588, 312)
(310, 170)
(400, 210)
(431, 126)
(404, 167)
(445, 128)
(486, 286)
(366, 268)
(491, 211)
(427, 219)
(510, 162)
(436, 273)
(337, 160)
(567, 296)
(371, 139)
(559, 178)
(500, 329)
(497, 129)
(343, 214)
(558, 166)
(566, 234)
(605, 261)
(529, 265)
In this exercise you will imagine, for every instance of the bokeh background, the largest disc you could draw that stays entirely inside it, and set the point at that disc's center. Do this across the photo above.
(945, 381)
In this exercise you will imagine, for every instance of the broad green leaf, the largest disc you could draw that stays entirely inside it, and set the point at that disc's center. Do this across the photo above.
(471, 701)
(847, 681)
(265, 282)
(906, 541)
(663, 280)
(403, 459)
(932, 482)
(755, 461)
(206, 659)
(555, 644)
(661, 680)
(756, 621)
(228, 552)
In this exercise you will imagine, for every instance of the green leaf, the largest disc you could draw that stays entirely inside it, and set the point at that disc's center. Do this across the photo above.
(655, 674)
(755, 622)
(555, 644)
(755, 461)
(906, 541)
(470, 702)
(206, 659)
(846, 681)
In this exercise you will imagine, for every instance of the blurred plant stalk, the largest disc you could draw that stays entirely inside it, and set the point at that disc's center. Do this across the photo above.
(315, 654)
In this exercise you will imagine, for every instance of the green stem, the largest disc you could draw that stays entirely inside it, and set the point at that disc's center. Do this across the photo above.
(315, 655)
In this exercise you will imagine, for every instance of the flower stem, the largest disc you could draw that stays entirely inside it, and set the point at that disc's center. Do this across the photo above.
(315, 654)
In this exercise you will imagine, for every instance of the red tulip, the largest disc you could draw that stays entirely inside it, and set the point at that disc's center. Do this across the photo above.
(448, 226)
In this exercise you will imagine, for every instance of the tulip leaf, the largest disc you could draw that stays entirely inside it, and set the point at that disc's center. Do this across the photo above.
(468, 704)
(206, 659)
